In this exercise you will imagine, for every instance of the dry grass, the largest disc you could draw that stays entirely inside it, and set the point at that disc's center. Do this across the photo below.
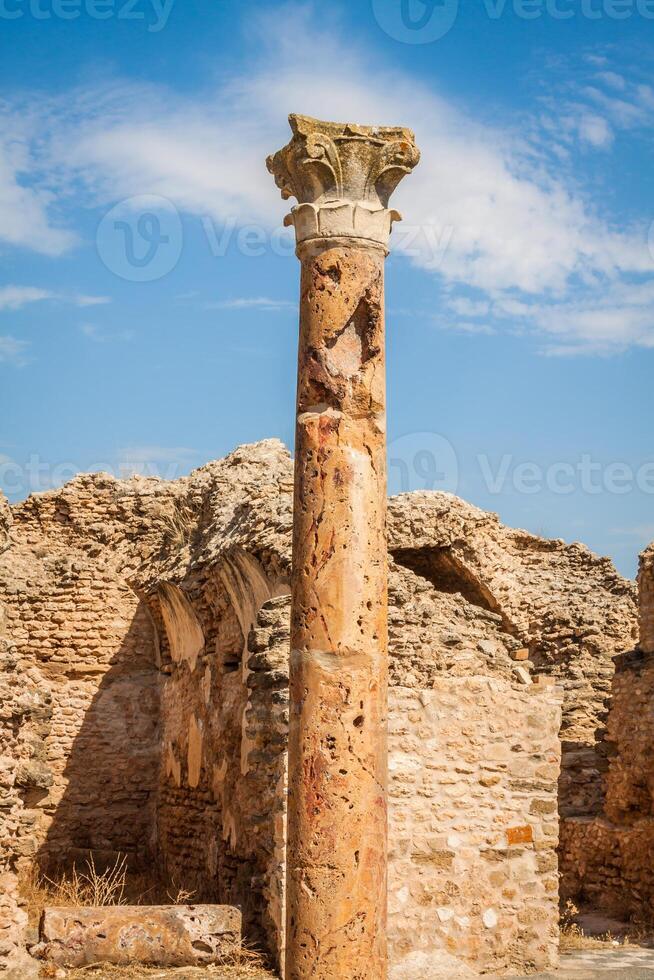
(573, 937)
(237, 963)
(102, 971)
(77, 888)
(114, 885)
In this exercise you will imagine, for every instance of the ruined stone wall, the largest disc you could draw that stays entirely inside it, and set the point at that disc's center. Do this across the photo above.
(646, 600)
(149, 632)
(83, 635)
(24, 723)
(92, 641)
(567, 610)
(473, 820)
(202, 830)
(606, 859)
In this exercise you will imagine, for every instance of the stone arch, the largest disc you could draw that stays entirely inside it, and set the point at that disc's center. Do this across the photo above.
(447, 573)
(201, 825)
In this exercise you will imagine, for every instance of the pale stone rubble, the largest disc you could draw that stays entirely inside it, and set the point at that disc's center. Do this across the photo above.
(145, 700)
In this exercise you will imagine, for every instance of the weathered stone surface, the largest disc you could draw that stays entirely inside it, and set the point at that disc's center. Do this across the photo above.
(646, 605)
(172, 935)
(5, 522)
(90, 688)
(473, 815)
(431, 966)
(606, 858)
(342, 176)
(567, 606)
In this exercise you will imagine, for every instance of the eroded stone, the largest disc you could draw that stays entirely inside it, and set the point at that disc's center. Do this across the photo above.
(167, 935)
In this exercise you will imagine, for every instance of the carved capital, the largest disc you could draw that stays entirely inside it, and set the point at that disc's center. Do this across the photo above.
(342, 176)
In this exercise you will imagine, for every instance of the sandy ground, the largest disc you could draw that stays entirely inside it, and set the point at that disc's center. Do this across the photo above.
(619, 964)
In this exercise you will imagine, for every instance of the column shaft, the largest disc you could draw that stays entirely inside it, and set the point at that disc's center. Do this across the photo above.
(336, 885)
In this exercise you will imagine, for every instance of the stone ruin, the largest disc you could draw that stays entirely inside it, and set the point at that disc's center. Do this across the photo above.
(144, 636)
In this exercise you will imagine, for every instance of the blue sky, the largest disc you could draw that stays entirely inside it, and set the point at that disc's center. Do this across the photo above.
(148, 290)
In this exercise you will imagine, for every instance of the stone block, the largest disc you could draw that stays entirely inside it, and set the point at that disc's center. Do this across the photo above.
(166, 935)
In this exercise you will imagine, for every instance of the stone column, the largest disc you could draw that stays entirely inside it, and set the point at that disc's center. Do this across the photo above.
(342, 176)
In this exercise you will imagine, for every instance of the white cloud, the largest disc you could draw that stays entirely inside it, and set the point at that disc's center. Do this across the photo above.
(519, 231)
(82, 300)
(466, 326)
(101, 335)
(12, 351)
(15, 297)
(595, 130)
(612, 79)
(468, 307)
(252, 303)
(25, 212)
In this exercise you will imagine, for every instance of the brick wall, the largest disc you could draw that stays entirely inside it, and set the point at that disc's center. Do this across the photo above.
(92, 640)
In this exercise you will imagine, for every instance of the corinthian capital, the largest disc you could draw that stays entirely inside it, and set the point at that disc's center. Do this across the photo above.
(342, 176)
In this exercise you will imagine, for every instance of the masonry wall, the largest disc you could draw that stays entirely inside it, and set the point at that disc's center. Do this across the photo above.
(92, 641)
(473, 822)
(144, 695)
(646, 600)
(607, 859)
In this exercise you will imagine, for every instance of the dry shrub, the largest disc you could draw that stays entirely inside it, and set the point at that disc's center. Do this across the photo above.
(177, 895)
(79, 888)
(573, 936)
(238, 954)
(91, 887)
